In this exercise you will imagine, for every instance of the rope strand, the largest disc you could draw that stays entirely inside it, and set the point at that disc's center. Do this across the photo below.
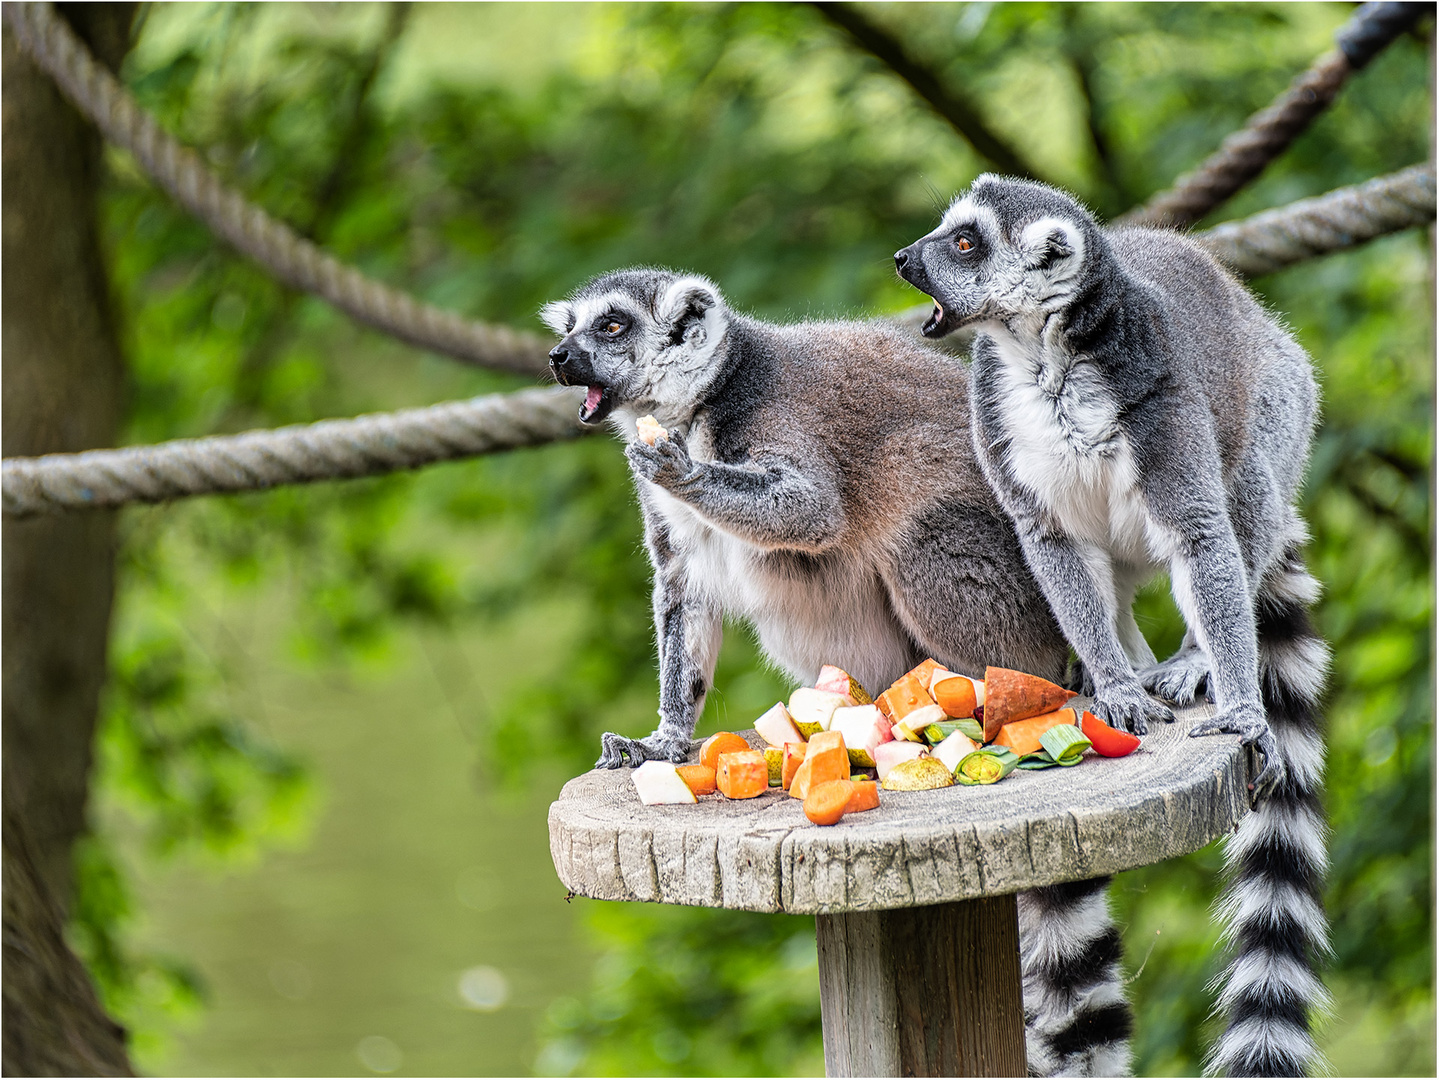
(281, 251)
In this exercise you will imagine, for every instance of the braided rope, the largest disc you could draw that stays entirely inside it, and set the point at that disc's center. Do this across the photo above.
(1268, 133)
(1302, 230)
(329, 450)
(291, 258)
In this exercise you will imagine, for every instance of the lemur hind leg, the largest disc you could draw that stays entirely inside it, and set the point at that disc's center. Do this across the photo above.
(1077, 1021)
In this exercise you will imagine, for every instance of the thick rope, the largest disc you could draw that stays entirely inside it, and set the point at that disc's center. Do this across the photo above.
(291, 258)
(384, 442)
(329, 450)
(1268, 133)
(1302, 230)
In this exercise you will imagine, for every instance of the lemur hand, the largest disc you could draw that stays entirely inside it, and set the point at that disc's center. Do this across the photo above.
(1129, 708)
(666, 463)
(1249, 723)
(1181, 678)
(616, 750)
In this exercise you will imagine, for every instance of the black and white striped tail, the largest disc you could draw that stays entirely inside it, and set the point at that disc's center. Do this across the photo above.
(1077, 1021)
(1272, 906)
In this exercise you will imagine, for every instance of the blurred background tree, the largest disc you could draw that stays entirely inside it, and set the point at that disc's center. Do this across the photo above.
(334, 715)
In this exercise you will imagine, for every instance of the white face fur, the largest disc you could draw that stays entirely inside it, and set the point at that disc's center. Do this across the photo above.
(642, 364)
(978, 275)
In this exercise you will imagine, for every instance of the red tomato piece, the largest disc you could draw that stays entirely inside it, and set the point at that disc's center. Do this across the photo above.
(1107, 741)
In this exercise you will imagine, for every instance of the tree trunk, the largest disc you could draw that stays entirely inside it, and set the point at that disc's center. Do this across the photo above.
(62, 382)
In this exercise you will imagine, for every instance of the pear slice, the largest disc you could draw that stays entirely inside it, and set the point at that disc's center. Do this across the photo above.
(918, 774)
(776, 726)
(658, 782)
(811, 709)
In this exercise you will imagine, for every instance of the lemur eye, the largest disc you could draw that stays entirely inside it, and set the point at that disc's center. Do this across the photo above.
(613, 327)
(962, 242)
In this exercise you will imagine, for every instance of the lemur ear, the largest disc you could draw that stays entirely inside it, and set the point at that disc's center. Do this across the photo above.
(1049, 242)
(685, 304)
(559, 316)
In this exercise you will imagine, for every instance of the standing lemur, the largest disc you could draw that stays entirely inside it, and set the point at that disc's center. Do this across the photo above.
(1134, 407)
(819, 481)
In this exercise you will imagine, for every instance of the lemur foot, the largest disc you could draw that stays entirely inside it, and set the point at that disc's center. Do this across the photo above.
(1248, 722)
(617, 750)
(666, 463)
(1130, 709)
(1179, 679)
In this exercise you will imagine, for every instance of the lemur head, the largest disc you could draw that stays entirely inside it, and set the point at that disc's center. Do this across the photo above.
(1005, 249)
(642, 339)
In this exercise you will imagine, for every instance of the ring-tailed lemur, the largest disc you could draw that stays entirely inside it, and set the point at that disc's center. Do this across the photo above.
(819, 481)
(1135, 407)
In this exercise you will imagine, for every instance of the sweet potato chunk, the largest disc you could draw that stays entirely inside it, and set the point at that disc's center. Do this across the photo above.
(700, 778)
(1013, 695)
(742, 775)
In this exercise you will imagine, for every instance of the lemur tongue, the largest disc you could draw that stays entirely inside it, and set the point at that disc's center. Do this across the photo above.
(592, 398)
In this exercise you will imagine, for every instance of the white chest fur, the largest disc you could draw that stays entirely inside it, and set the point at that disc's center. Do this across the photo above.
(1066, 446)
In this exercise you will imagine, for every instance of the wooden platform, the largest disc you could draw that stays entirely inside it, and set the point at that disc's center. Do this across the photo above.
(1171, 797)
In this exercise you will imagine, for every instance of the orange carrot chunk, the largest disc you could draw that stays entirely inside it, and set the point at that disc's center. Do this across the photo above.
(699, 778)
(742, 775)
(1013, 695)
(826, 758)
(865, 796)
(825, 804)
(794, 753)
(955, 696)
(1022, 736)
(724, 742)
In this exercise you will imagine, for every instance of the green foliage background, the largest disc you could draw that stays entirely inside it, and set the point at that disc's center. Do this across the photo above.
(491, 159)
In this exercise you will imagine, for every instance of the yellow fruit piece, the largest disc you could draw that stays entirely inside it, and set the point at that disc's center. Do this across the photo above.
(774, 758)
(918, 774)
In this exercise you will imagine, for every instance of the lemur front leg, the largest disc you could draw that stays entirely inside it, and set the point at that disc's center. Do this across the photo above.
(770, 503)
(688, 630)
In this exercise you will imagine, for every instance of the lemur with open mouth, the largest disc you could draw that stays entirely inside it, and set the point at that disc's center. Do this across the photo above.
(1135, 408)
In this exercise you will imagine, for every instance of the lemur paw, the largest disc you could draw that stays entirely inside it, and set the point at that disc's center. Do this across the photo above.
(1130, 709)
(617, 750)
(1249, 723)
(1178, 679)
(666, 463)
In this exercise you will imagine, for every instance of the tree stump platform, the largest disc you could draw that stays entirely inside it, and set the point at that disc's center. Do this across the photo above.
(914, 902)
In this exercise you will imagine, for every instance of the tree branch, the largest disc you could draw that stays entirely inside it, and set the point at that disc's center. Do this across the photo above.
(961, 112)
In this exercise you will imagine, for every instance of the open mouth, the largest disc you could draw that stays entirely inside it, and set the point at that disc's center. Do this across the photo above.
(598, 403)
(941, 322)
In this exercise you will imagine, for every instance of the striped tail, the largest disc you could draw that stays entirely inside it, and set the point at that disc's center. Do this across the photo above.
(1276, 860)
(1077, 1021)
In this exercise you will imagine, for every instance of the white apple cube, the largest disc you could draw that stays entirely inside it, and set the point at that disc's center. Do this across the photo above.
(810, 709)
(910, 725)
(864, 728)
(658, 782)
(888, 755)
(953, 749)
(776, 726)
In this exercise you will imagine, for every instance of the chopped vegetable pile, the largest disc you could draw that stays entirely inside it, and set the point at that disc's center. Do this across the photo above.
(833, 746)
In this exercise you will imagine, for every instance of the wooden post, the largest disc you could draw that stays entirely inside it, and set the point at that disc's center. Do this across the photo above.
(922, 991)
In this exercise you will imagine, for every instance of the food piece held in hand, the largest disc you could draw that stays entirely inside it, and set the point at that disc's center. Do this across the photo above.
(911, 727)
(649, 429)
(863, 728)
(954, 749)
(917, 774)
(1013, 695)
(888, 755)
(742, 775)
(774, 761)
(903, 698)
(1022, 736)
(658, 782)
(1108, 741)
(700, 778)
(1016, 695)
(776, 726)
(810, 709)
(987, 766)
(826, 803)
(864, 796)
(722, 742)
(826, 759)
(839, 681)
(794, 753)
(954, 694)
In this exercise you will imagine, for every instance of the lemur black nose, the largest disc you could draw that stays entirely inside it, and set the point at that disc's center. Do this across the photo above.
(901, 257)
(559, 356)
